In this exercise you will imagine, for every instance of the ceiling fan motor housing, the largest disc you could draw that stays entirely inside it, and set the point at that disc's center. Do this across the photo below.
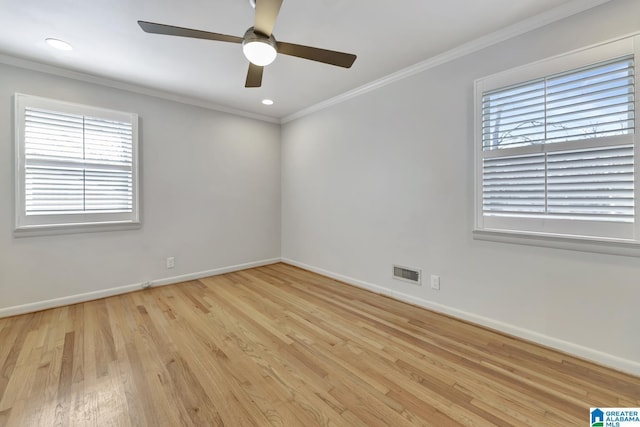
(252, 35)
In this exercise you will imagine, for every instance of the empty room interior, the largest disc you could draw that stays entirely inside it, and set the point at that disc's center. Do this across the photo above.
(332, 213)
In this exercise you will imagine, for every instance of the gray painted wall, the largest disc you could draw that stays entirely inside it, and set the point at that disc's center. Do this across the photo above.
(387, 177)
(210, 198)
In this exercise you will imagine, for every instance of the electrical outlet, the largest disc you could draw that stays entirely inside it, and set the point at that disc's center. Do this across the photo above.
(435, 282)
(171, 262)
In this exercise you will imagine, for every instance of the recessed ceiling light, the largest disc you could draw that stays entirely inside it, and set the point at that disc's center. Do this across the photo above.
(267, 102)
(58, 44)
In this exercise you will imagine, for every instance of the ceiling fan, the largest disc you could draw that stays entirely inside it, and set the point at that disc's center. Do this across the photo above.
(258, 43)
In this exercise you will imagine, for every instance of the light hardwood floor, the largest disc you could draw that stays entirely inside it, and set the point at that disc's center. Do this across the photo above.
(280, 346)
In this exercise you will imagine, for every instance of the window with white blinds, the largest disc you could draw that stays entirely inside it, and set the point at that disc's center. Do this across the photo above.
(77, 165)
(557, 153)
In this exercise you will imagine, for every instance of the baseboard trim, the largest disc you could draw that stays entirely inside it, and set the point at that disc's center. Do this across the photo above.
(605, 359)
(214, 272)
(104, 293)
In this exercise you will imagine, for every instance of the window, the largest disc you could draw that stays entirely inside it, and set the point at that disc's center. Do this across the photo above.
(76, 167)
(555, 147)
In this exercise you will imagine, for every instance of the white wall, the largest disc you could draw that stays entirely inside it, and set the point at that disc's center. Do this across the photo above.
(387, 177)
(210, 198)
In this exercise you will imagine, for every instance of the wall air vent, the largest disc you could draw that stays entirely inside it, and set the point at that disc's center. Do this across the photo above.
(411, 275)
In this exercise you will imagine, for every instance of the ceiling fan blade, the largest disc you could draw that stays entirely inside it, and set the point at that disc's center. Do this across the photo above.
(331, 57)
(266, 15)
(254, 76)
(170, 30)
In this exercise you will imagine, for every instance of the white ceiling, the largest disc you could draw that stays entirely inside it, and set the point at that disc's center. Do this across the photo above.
(387, 36)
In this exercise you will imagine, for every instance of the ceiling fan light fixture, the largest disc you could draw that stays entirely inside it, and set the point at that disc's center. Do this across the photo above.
(259, 49)
(259, 53)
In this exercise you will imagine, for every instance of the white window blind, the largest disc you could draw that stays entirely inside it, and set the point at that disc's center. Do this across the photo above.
(591, 102)
(555, 147)
(77, 164)
(594, 184)
(556, 151)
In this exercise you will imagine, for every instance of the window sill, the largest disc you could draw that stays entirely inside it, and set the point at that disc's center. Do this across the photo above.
(556, 241)
(51, 230)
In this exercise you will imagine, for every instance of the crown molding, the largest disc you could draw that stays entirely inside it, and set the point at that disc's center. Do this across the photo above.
(556, 14)
(130, 87)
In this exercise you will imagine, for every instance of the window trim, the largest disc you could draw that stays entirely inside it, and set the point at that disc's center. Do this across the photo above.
(69, 223)
(557, 64)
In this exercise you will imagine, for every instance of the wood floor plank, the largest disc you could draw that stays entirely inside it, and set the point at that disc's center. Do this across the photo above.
(280, 346)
